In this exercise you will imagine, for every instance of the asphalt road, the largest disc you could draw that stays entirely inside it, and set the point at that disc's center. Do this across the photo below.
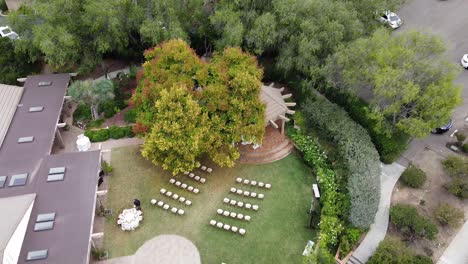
(448, 19)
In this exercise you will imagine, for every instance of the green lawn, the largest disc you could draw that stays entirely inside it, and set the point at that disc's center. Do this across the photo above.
(277, 233)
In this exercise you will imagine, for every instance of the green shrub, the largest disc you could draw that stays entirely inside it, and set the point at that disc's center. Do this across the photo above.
(97, 135)
(410, 223)
(95, 123)
(106, 167)
(465, 147)
(109, 108)
(130, 116)
(460, 138)
(458, 187)
(448, 215)
(393, 251)
(456, 166)
(82, 113)
(390, 142)
(413, 177)
(116, 132)
(349, 239)
(3, 6)
(357, 153)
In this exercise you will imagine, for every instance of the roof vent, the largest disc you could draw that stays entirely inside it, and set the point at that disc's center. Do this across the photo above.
(36, 109)
(44, 84)
(25, 139)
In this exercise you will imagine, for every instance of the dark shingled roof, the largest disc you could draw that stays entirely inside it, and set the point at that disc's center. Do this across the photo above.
(73, 199)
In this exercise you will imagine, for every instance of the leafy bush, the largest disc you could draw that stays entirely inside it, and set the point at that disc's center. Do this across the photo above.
(82, 113)
(14, 64)
(114, 132)
(458, 187)
(407, 219)
(448, 215)
(130, 116)
(333, 203)
(349, 238)
(465, 147)
(390, 142)
(460, 138)
(3, 6)
(106, 167)
(456, 166)
(320, 256)
(95, 123)
(393, 251)
(97, 135)
(109, 108)
(413, 177)
(357, 153)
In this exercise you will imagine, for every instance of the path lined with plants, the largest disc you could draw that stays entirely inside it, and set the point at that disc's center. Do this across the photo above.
(388, 178)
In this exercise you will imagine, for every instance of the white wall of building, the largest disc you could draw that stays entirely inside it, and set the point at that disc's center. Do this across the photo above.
(13, 248)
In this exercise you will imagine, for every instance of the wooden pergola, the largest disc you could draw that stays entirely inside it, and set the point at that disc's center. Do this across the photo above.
(276, 107)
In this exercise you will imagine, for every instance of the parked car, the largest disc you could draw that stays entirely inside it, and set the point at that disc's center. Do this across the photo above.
(443, 129)
(391, 19)
(464, 61)
(6, 32)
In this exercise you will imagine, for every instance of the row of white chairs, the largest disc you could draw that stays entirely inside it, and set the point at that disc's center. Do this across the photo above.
(247, 193)
(205, 168)
(184, 186)
(195, 177)
(240, 204)
(227, 227)
(175, 196)
(253, 183)
(169, 193)
(233, 215)
(166, 207)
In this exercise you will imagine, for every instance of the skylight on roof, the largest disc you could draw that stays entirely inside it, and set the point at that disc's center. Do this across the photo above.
(44, 84)
(41, 226)
(57, 170)
(25, 139)
(37, 254)
(55, 177)
(18, 180)
(2, 181)
(36, 109)
(45, 217)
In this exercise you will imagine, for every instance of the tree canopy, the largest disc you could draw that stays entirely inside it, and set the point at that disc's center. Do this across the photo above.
(404, 77)
(12, 65)
(92, 93)
(226, 90)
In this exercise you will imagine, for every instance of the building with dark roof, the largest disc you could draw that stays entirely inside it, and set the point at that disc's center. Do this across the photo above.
(47, 201)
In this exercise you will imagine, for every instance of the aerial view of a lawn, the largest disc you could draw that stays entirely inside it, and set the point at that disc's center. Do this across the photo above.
(276, 233)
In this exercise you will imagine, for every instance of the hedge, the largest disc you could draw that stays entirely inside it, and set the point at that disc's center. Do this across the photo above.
(413, 177)
(356, 151)
(391, 251)
(114, 132)
(390, 142)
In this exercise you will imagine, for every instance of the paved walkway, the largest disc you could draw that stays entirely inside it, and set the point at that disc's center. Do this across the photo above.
(457, 250)
(163, 249)
(108, 145)
(388, 178)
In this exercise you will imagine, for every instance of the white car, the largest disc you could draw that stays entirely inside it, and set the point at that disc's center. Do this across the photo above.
(464, 61)
(391, 19)
(6, 32)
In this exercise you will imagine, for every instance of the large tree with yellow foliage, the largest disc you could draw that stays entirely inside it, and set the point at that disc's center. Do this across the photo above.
(220, 102)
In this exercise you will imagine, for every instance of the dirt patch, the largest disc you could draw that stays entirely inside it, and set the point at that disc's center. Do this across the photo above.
(426, 199)
(108, 65)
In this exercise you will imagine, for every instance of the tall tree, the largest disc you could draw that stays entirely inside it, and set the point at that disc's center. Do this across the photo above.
(405, 77)
(179, 129)
(92, 93)
(13, 66)
(226, 90)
